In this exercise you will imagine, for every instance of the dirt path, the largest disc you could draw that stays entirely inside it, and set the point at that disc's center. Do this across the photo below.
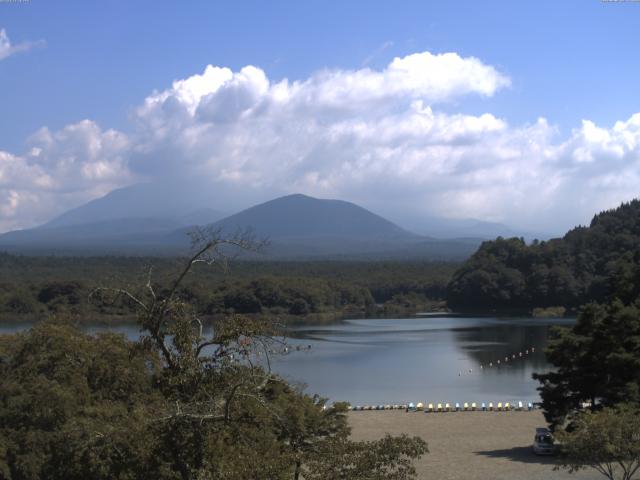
(469, 445)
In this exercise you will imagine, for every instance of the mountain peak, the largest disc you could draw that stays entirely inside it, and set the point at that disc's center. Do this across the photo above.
(299, 215)
(294, 196)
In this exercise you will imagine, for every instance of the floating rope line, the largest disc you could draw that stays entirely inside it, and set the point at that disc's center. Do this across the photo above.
(506, 359)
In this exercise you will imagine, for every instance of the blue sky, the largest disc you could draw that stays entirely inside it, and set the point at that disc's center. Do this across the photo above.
(566, 61)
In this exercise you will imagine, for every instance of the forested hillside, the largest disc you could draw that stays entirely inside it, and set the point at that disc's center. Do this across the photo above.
(594, 263)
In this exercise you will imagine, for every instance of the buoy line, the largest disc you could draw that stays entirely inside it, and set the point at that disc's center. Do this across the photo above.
(441, 407)
(505, 360)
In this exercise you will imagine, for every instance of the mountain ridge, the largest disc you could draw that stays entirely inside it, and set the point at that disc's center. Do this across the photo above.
(299, 215)
(298, 226)
(143, 200)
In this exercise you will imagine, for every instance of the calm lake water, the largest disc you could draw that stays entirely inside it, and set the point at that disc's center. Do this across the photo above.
(427, 359)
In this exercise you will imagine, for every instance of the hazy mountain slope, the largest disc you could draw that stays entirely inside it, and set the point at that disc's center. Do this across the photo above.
(295, 216)
(134, 216)
(441, 227)
(98, 234)
(297, 226)
(145, 200)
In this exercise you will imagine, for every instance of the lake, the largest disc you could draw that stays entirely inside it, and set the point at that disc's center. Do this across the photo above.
(425, 359)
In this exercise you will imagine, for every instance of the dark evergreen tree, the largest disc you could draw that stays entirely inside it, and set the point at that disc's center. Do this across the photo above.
(596, 362)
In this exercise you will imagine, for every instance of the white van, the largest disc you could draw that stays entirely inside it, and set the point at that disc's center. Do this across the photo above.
(543, 442)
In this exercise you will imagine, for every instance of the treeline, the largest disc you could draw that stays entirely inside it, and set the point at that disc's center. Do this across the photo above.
(279, 295)
(37, 286)
(595, 263)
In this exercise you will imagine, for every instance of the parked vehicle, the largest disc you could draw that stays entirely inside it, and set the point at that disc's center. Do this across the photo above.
(543, 442)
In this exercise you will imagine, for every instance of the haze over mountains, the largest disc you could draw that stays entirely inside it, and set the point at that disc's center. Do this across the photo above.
(143, 201)
(149, 219)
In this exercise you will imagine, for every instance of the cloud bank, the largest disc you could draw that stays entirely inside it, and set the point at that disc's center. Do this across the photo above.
(377, 137)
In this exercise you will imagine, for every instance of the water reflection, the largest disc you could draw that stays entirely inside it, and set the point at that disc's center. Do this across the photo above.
(500, 342)
(432, 359)
(425, 359)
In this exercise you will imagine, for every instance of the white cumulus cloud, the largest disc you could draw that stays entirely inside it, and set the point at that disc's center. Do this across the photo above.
(377, 137)
(60, 170)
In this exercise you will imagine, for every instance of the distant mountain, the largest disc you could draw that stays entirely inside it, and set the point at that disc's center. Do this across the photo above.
(126, 220)
(141, 201)
(441, 227)
(127, 235)
(300, 216)
(299, 226)
(202, 216)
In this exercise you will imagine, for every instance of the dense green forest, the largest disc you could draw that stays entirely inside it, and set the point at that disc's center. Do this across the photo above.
(595, 263)
(33, 287)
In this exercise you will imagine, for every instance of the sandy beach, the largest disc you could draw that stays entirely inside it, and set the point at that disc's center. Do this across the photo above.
(469, 445)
